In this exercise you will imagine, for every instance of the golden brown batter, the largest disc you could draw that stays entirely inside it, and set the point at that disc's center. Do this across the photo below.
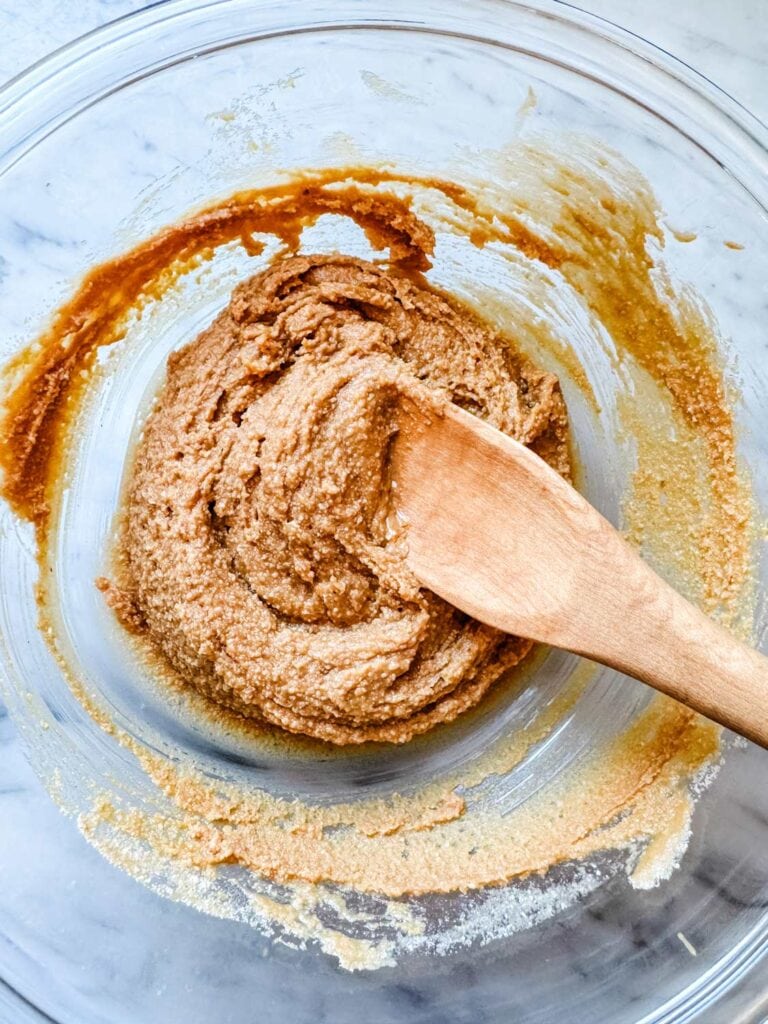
(256, 550)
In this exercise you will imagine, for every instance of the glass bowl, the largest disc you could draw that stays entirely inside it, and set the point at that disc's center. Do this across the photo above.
(125, 131)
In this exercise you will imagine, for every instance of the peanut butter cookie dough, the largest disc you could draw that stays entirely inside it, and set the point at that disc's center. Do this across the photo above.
(256, 551)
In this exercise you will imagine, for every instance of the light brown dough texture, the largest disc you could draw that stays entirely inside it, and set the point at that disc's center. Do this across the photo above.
(256, 550)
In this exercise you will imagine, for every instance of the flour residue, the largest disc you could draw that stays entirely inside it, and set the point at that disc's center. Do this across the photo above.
(572, 243)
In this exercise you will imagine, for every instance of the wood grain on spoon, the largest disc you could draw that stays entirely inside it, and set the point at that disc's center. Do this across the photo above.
(495, 531)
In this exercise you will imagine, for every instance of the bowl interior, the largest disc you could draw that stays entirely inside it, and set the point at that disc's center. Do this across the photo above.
(192, 103)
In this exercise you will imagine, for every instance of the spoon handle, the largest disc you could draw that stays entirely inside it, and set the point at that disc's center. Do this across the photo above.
(495, 531)
(646, 629)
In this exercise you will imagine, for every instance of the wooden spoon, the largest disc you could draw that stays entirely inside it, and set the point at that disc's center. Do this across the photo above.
(495, 531)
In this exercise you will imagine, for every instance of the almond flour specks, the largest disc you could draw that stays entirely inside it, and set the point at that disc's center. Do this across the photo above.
(575, 235)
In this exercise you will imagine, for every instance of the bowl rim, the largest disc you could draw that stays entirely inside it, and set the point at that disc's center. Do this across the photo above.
(44, 87)
(56, 88)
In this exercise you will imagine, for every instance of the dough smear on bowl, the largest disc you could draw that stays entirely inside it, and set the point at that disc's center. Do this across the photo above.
(256, 550)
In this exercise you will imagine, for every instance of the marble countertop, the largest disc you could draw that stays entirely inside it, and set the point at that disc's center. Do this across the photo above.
(727, 42)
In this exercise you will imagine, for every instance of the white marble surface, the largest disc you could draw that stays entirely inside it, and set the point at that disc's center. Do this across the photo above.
(728, 42)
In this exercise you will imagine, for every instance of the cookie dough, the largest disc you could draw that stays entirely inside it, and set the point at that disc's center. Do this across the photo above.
(256, 550)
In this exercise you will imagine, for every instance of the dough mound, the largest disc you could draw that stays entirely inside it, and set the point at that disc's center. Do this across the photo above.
(257, 552)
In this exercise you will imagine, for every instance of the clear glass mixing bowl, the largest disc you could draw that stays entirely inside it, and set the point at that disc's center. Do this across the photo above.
(126, 130)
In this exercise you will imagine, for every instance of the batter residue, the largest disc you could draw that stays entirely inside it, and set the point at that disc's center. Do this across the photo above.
(254, 551)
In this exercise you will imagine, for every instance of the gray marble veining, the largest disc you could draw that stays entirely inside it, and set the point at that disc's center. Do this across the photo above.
(729, 44)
